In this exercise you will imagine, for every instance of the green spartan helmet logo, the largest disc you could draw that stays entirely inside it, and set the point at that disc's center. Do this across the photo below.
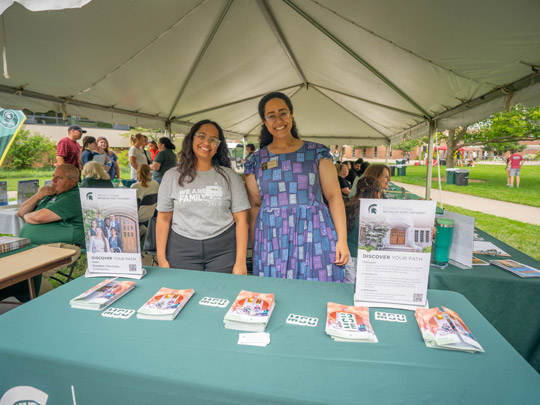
(372, 209)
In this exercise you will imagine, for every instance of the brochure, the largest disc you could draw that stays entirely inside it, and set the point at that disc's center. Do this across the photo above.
(165, 304)
(346, 323)
(445, 330)
(26, 189)
(479, 262)
(488, 248)
(250, 312)
(102, 295)
(461, 250)
(111, 225)
(9, 243)
(394, 253)
(522, 270)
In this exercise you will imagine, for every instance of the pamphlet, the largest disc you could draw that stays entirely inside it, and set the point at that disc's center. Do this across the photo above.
(445, 330)
(488, 248)
(9, 243)
(102, 295)
(461, 250)
(394, 253)
(111, 226)
(4, 199)
(522, 270)
(479, 262)
(165, 304)
(250, 312)
(26, 189)
(346, 323)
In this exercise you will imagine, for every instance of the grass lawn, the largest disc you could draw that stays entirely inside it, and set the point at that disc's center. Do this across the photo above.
(488, 181)
(521, 236)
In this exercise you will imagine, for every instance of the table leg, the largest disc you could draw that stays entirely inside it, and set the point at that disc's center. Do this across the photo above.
(31, 288)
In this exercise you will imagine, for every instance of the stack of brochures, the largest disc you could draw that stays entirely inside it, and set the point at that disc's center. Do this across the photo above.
(250, 312)
(102, 295)
(445, 330)
(165, 304)
(346, 323)
(517, 268)
(9, 243)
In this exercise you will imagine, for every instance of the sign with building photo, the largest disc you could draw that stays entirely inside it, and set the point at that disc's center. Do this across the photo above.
(394, 251)
(111, 228)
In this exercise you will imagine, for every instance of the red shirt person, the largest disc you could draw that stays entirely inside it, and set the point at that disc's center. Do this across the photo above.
(68, 150)
(516, 160)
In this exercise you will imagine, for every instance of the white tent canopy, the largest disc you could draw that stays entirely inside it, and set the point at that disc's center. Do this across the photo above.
(359, 72)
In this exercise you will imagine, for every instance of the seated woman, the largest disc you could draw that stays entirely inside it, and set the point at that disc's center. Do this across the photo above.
(98, 242)
(115, 242)
(367, 187)
(95, 176)
(164, 160)
(344, 184)
(202, 221)
(381, 172)
(145, 186)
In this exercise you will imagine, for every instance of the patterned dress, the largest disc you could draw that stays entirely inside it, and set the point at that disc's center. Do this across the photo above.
(295, 236)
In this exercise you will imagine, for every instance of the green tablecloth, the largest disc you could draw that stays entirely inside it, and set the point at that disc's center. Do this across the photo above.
(510, 303)
(194, 359)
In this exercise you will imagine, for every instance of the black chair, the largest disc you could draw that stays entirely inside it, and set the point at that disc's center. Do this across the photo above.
(149, 199)
(149, 244)
(68, 276)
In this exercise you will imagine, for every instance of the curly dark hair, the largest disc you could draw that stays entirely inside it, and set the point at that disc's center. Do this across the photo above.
(187, 159)
(366, 187)
(266, 137)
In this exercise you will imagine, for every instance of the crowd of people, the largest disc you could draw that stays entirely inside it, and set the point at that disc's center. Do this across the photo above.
(300, 214)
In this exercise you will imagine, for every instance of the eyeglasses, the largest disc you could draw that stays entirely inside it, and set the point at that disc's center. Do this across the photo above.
(203, 138)
(283, 116)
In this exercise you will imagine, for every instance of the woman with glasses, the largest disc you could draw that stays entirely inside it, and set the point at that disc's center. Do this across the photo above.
(202, 221)
(294, 234)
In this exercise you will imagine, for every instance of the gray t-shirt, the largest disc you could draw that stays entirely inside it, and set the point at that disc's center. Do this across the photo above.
(203, 208)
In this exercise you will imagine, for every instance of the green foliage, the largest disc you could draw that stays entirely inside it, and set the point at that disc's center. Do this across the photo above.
(152, 134)
(407, 146)
(372, 233)
(123, 158)
(30, 150)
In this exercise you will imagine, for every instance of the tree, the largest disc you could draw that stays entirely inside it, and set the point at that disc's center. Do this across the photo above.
(407, 146)
(30, 150)
(506, 127)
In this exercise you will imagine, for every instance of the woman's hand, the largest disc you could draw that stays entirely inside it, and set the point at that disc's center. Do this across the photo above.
(240, 268)
(342, 253)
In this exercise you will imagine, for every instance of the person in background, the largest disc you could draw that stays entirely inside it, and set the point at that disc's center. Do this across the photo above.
(344, 185)
(107, 228)
(98, 243)
(115, 242)
(145, 186)
(88, 149)
(294, 233)
(114, 168)
(95, 176)
(136, 154)
(382, 173)
(202, 221)
(367, 187)
(164, 160)
(363, 167)
(146, 152)
(250, 149)
(68, 150)
(516, 161)
(115, 223)
(100, 221)
(507, 168)
(353, 171)
(153, 149)
(93, 227)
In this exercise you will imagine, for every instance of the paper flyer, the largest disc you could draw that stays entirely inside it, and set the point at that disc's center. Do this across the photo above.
(461, 250)
(394, 252)
(111, 228)
(26, 189)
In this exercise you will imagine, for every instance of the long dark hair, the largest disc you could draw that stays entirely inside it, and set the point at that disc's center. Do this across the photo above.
(86, 141)
(187, 159)
(167, 143)
(266, 137)
(366, 187)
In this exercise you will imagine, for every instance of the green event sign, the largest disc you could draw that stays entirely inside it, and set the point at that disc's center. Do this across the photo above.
(10, 123)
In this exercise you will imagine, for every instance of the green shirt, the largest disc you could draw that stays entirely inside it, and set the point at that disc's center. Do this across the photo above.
(167, 159)
(69, 229)
(90, 182)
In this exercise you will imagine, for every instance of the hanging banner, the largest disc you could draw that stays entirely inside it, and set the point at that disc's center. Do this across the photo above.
(10, 123)
(111, 228)
(394, 252)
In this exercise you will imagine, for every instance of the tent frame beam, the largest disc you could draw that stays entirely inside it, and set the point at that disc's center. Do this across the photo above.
(374, 71)
(429, 174)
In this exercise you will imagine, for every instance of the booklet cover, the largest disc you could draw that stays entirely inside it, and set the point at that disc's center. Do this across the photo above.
(445, 330)
(250, 311)
(102, 295)
(26, 189)
(522, 270)
(346, 323)
(111, 225)
(9, 243)
(487, 248)
(394, 253)
(165, 304)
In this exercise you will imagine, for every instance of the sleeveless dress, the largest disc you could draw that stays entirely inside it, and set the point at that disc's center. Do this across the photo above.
(295, 237)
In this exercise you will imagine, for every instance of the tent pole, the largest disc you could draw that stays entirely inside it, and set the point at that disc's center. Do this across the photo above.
(388, 152)
(429, 170)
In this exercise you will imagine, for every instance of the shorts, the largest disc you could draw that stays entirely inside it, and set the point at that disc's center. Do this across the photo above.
(217, 254)
(514, 172)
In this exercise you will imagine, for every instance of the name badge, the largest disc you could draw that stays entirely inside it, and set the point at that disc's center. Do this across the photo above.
(271, 163)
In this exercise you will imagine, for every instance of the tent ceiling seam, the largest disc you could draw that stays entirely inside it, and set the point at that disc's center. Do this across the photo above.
(263, 5)
(200, 56)
(402, 47)
(352, 113)
(142, 50)
(374, 71)
(370, 102)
